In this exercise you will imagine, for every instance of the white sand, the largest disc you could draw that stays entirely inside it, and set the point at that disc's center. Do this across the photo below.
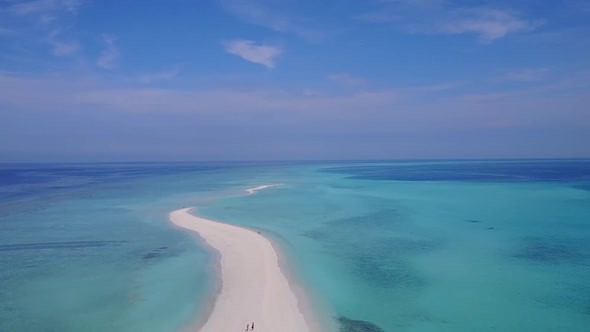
(254, 190)
(253, 287)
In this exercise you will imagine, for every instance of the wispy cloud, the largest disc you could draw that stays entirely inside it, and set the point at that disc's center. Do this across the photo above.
(31, 7)
(400, 117)
(62, 48)
(42, 21)
(578, 5)
(109, 55)
(165, 75)
(6, 31)
(248, 50)
(263, 13)
(442, 17)
(47, 19)
(525, 75)
(22, 8)
(347, 80)
(60, 92)
(487, 24)
(65, 48)
(362, 112)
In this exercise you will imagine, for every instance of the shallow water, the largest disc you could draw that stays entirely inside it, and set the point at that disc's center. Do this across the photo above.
(420, 246)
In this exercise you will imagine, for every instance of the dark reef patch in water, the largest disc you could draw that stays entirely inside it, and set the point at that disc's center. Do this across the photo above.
(348, 229)
(549, 251)
(315, 235)
(386, 274)
(383, 261)
(574, 297)
(150, 255)
(58, 245)
(472, 221)
(402, 245)
(582, 186)
(353, 325)
(154, 253)
(380, 220)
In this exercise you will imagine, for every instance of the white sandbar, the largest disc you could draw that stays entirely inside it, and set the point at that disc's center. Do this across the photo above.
(254, 289)
(266, 186)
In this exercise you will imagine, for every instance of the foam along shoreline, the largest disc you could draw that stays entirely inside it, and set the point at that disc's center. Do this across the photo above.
(254, 190)
(254, 289)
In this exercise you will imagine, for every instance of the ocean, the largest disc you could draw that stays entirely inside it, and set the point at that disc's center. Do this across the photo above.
(499, 245)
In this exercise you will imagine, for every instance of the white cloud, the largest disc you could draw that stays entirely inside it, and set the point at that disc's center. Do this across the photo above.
(48, 17)
(108, 57)
(440, 17)
(31, 7)
(263, 13)
(248, 50)
(487, 24)
(72, 5)
(23, 8)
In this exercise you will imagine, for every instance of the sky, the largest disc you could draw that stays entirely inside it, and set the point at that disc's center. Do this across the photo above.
(90, 80)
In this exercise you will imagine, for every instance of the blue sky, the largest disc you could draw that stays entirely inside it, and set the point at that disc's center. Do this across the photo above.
(86, 80)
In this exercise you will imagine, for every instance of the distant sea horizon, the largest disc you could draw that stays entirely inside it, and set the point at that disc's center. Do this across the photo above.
(152, 161)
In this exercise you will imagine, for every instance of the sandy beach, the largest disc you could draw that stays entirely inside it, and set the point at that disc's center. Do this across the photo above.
(254, 289)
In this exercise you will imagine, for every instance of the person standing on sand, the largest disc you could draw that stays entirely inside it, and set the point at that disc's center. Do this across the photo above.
(252, 326)
(248, 327)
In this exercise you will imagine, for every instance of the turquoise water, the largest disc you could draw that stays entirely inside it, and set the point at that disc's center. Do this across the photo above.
(428, 246)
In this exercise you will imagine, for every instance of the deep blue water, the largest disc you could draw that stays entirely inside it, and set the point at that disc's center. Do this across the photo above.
(494, 171)
(22, 179)
(17, 180)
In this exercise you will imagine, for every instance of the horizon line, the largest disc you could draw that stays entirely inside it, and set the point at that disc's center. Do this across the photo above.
(289, 160)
